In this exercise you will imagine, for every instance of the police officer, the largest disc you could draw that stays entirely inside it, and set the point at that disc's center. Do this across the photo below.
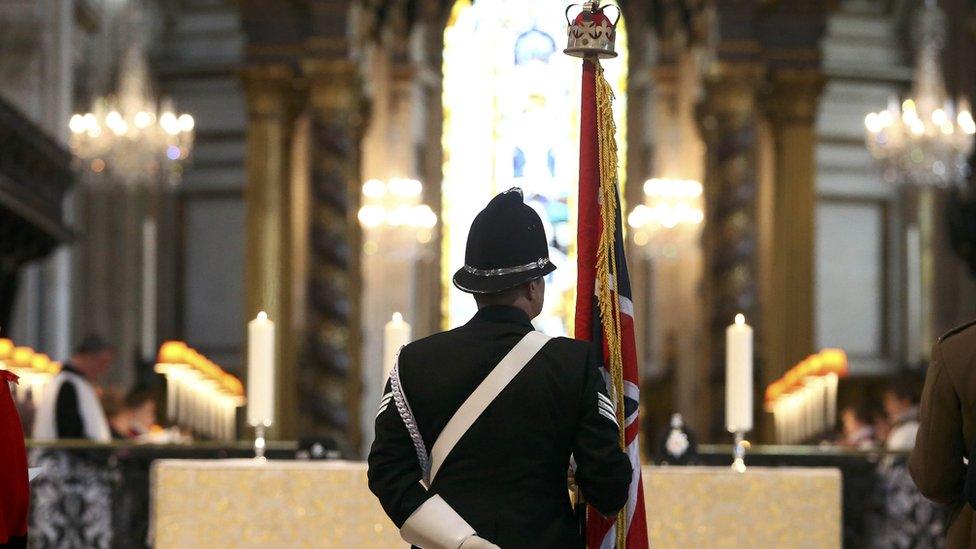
(477, 425)
(947, 433)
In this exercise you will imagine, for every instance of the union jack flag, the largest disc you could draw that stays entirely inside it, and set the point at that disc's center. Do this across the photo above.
(604, 310)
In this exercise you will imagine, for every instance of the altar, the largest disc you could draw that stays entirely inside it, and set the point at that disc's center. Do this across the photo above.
(244, 503)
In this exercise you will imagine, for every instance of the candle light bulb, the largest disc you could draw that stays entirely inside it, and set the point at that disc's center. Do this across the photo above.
(873, 122)
(262, 316)
(740, 319)
(397, 317)
(893, 104)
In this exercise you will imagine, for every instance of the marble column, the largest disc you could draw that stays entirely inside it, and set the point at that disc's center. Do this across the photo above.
(790, 105)
(330, 394)
(728, 125)
(266, 194)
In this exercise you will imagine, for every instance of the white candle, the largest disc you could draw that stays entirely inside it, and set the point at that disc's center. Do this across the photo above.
(195, 408)
(260, 371)
(225, 419)
(831, 383)
(222, 431)
(170, 395)
(22, 389)
(230, 410)
(822, 410)
(738, 376)
(208, 400)
(779, 420)
(395, 335)
(793, 421)
(809, 410)
(220, 416)
(182, 400)
(216, 418)
(37, 389)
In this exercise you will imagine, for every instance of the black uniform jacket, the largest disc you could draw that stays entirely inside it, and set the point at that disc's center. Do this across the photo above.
(507, 475)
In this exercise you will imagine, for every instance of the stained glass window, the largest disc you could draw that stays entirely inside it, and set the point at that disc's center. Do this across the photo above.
(511, 119)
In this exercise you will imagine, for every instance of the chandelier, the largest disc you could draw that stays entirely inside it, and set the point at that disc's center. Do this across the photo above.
(127, 134)
(671, 214)
(395, 205)
(927, 138)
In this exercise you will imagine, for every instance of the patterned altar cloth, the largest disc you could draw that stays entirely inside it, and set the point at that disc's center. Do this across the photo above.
(763, 507)
(243, 503)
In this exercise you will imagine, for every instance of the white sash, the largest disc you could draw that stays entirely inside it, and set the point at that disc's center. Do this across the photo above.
(485, 394)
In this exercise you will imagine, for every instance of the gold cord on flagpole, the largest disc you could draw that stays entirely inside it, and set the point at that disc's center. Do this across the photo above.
(608, 297)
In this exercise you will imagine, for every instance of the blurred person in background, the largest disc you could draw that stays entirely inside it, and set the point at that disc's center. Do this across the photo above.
(71, 405)
(879, 420)
(901, 406)
(135, 416)
(72, 498)
(910, 520)
(858, 433)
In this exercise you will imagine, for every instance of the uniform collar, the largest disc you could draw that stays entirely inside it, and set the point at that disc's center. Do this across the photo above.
(502, 314)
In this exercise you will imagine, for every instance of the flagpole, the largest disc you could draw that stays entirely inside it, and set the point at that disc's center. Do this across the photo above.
(603, 286)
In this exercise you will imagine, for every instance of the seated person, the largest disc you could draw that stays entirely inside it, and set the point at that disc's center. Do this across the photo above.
(857, 428)
(136, 416)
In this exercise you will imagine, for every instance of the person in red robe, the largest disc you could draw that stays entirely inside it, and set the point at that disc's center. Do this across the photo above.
(14, 487)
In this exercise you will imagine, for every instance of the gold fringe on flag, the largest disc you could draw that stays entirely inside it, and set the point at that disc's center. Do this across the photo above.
(606, 259)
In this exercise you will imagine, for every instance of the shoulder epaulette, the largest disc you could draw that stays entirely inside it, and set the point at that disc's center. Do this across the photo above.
(957, 329)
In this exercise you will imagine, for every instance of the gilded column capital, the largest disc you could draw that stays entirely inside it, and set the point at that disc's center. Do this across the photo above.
(732, 87)
(793, 95)
(266, 88)
(333, 82)
(335, 91)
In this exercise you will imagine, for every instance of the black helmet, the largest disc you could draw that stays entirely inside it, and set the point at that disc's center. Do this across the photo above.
(506, 247)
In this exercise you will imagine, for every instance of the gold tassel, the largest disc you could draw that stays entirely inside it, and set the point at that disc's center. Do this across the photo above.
(606, 260)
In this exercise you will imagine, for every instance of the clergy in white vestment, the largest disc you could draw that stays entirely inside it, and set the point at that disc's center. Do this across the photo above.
(71, 407)
(72, 496)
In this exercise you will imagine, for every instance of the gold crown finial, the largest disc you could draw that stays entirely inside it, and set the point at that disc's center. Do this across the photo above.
(592, 33)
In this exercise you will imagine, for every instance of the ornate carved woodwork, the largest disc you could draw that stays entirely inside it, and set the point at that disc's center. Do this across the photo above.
(35, 173)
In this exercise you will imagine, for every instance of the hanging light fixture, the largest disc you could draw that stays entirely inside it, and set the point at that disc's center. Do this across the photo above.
(923, 142)
(927, 138)
(131, 136)
(395, 205)
(671, 214)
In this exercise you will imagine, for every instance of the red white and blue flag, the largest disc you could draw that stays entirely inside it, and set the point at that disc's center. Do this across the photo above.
(604, 310)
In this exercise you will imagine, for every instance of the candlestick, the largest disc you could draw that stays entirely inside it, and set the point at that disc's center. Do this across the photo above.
(260, 371)
(739, 453)
(259, 443)
(396, 334)
(738, 376)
